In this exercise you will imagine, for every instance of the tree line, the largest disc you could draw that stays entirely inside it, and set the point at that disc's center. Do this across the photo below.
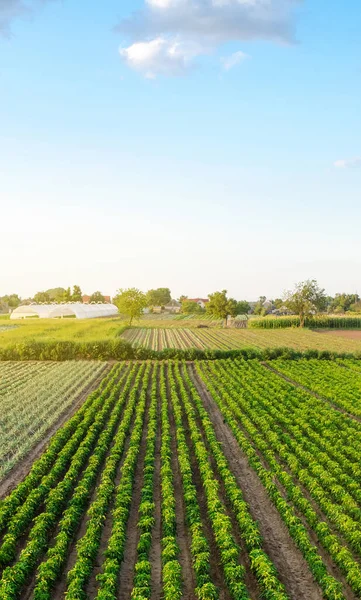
(305, 300)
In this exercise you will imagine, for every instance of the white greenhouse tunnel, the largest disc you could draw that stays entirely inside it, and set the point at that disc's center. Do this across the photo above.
(53, 311)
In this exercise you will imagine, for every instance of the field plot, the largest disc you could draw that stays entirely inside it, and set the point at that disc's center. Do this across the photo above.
(227, 339)
(200, 481)
(33, 396)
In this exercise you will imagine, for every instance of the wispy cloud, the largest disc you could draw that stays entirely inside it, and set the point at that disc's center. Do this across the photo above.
(13, 9)
(348, 163)
(203, 25)
(233, 60)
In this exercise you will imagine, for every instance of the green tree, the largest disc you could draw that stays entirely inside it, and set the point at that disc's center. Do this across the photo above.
(243, 307)
(343, 302)
(67, 295)
(158, 297)
(356, 307)
(10, 301)
(278, 303)
(97, 297)
(42, 297)
(259, 309)
(131, 303)
(56, 294)
(77, 295)
(306, 299)
(219, 306)
(182, 298)
(189, 307)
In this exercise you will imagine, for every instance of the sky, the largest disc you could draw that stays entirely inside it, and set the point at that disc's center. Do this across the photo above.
(193, 144)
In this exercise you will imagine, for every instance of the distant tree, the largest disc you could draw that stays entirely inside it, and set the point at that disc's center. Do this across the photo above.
(42, 297)
(305, 300)
(10, 301)
(259, 308)
(343, 302)
(182, 298)
(67, 295)
(97, 297)
(189, 307)
(219, 306)
(158, 297)
(77, 295)
(278, 303)
(131, 303)
(243, 307)
(356, 307)
(56, 294)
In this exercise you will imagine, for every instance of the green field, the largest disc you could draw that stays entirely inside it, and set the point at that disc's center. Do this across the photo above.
(33, 396)
(228, 339)
(203, 480)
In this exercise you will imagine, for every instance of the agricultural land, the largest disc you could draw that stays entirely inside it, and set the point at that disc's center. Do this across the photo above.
(232, 479)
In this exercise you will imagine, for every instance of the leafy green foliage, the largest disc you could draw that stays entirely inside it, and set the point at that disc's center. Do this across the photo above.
(130, 302)
(158, 297)
(220, 306)
(305, 300)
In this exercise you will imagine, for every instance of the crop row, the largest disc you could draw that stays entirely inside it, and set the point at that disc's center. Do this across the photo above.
(249, 399)
(34, 399)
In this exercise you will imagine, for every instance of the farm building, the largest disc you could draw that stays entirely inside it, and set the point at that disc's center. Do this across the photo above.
(173, 307)
(71, 309)
(200, 301)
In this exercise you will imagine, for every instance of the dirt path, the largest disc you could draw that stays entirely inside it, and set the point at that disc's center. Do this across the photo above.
(350, 334)
(21, 470)
(292, 568)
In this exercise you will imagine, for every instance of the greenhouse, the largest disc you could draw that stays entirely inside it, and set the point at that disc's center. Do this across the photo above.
(71, 309)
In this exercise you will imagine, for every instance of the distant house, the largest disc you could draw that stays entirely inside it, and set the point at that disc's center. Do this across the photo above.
(173, 307)
(200, 301)
(86, 299)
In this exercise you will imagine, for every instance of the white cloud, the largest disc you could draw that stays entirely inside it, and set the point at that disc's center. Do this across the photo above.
(170, 57)
(206, 25)
(233, 60)
(348, 163)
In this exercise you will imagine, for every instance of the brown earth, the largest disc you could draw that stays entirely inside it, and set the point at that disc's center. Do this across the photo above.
(350, 334)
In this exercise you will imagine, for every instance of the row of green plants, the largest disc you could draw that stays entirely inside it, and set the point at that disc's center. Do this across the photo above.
(252, 439)
(121, 350)
(333, 501)
(35, 400)
(114, 554)
(143, 568)
(52, 567)
(313, 322)
(263, 568)
(14, 577)
(308, 427)
(229, 551)
(171, 568)
(87, 547)
(330, 380)
(60, 451)
(200, 550)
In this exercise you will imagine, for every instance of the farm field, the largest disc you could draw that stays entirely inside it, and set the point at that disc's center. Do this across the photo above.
(33, 396)
(227, 339)
(212, 479)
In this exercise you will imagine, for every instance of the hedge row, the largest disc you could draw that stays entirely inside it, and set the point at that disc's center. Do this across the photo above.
(317, 322)
(122, 350)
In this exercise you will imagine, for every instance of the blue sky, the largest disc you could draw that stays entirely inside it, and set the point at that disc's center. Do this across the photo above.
(137, 152)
